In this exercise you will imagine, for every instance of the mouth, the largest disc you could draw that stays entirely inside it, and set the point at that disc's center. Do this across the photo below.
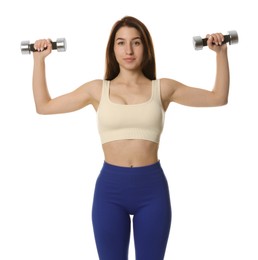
(129, 59)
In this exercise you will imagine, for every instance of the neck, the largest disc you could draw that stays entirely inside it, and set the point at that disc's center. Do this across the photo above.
(130, 76)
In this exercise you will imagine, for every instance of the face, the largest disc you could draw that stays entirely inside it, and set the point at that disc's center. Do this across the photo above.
(128, 48)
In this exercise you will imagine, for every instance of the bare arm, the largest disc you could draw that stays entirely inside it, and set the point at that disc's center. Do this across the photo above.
(77, 99)
(197, 97)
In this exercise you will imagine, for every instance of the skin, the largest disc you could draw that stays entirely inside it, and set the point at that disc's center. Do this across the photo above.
(130, 87)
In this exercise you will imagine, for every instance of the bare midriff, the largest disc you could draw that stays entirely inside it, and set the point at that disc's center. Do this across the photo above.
(131, 153)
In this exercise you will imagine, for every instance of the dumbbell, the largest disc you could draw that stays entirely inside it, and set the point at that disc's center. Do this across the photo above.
(199, 43)
(59, 45)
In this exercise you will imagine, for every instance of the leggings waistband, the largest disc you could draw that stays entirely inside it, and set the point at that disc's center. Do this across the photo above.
(138, 169)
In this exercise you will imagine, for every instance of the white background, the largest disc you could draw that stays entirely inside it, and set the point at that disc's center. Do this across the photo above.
(49, 164)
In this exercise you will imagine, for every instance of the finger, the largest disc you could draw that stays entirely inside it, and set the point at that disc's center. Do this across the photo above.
(37, 45)
(49, 44)
(218, 38)
(41, 45)
(215, 39)
(221, 37)
(210, 39)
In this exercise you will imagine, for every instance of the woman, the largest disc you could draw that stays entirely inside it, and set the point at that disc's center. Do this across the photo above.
(130, 104)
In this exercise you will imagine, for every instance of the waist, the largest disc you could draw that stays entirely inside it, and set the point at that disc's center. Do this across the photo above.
(131, 153)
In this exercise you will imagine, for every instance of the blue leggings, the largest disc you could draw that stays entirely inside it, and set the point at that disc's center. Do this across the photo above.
(142, 192)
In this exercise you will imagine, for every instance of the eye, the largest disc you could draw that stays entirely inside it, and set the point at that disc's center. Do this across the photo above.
(137, 43)
(120, 43)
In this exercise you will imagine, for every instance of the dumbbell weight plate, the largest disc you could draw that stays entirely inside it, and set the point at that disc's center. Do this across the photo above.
(198, 42)
(233, 37)
(25, 47)
(60, 45)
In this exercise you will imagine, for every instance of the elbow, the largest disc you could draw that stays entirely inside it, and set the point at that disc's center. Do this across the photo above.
(222, 102)
(220, 99)
(225, 102)
(43, 108)
(41, 111)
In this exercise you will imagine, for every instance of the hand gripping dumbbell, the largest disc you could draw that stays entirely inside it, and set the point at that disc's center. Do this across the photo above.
(59, 45)
(199, 43)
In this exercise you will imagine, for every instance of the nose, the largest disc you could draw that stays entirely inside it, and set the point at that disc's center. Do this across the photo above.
(128, 49)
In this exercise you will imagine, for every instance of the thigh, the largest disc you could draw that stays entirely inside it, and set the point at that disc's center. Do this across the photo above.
(111, 225)
(152, 226)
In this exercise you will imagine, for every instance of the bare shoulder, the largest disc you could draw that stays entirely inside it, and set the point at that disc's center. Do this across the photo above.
(92, 88)
(168, 87)
(92, 91)
(167, 83)
(93, 85)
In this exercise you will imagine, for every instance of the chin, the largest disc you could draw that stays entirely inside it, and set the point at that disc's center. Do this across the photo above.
(131, 67)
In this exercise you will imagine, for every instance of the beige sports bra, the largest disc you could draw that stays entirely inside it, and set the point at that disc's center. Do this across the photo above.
(137, 121)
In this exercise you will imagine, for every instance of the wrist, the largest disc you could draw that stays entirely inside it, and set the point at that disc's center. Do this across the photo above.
(39, 60)
(222, 51)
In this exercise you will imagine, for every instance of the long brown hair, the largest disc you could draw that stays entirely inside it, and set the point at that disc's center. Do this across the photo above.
(148, 64)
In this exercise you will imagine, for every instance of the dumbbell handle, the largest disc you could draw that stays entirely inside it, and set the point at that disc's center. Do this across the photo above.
(227, 38)
(31, 46)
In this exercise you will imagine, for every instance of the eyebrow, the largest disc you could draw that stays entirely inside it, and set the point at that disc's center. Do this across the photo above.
(135, 38)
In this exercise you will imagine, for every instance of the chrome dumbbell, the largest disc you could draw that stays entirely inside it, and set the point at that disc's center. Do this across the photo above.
(199, 43)
(59, 45)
